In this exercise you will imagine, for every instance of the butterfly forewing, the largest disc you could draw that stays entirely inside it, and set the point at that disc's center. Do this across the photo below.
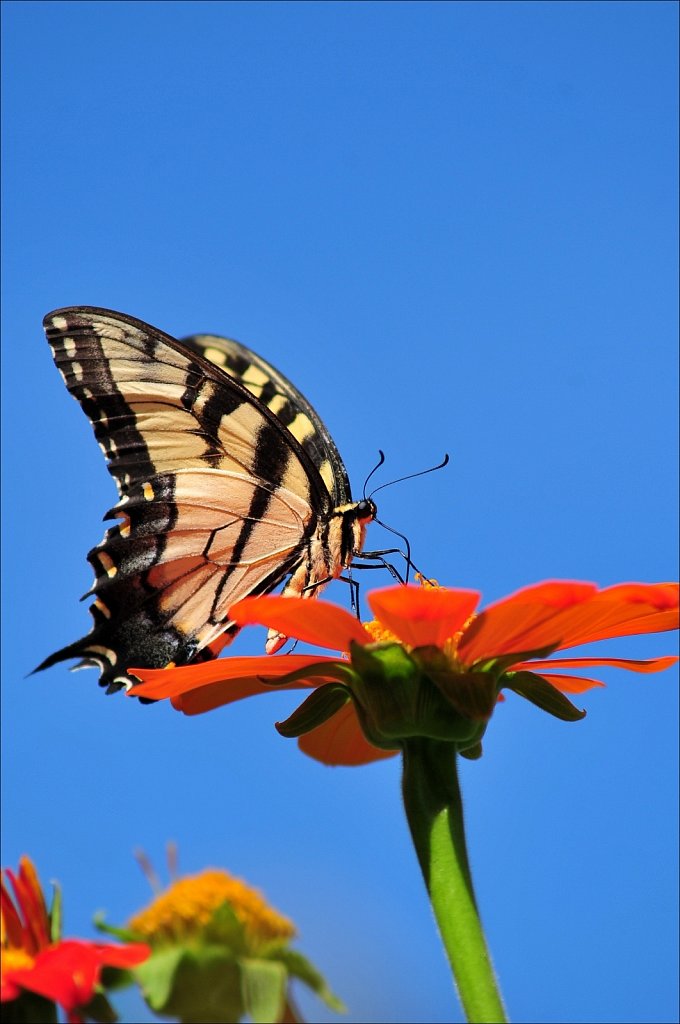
(282, 398)
(223, 480)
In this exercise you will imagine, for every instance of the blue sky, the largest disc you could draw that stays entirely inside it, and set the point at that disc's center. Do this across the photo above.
(454, 226)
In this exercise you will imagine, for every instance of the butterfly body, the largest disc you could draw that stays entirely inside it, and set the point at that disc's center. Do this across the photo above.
(228, 481)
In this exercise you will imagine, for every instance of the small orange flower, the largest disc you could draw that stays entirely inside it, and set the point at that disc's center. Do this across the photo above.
(65, 971)
(546, 617)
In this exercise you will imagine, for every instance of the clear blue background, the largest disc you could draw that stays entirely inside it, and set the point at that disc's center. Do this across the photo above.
(454, 226)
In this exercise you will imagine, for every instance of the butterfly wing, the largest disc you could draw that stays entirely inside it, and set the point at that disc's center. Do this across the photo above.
(218, 498)
(282, 398)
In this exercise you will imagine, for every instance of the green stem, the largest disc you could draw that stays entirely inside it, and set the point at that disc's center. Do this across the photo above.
(435, 815)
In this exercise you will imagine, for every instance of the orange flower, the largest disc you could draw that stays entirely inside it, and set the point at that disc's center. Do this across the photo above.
(65, 971)
(515, 634)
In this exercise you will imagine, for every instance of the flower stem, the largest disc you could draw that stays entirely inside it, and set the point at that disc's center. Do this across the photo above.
(434, 811)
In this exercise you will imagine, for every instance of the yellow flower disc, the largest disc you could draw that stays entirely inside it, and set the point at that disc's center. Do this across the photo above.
(186, 907)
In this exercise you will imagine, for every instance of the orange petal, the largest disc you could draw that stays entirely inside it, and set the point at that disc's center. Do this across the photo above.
(314, 622)
(207, 698)
(31, 907)
(38, 907)
(421, 617)
(624, 610)
(570, 684)
(340, 741)
(632, 664)
(566, 614)
(240, 676)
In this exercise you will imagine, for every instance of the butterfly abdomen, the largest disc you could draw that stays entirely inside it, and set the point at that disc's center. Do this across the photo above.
(339, 537)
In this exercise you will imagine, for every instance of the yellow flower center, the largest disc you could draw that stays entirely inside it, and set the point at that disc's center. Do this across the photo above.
(185, 910)
(427, 584)
(380, 634)
(16, 960)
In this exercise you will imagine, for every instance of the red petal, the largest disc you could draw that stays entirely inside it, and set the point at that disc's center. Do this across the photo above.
(8, 988)
(14, 929)
(68, 972)
(340, 741)
(242, 677)
(64, 973)
(420, 617)
(568, 613)
(314, 622)
(130, 955)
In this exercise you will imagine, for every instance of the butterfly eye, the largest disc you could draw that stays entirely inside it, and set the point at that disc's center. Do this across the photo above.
(366, 509)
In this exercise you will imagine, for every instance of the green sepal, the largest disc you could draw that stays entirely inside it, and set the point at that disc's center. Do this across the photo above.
(395, 700)
(98, 1009)
(116, 977)
(225, 929)
(124, 934)
(471, 694)
(298, 966)
(196, 984)
(339, 670)
(321, 705)
(501, 664)
(263, 984)
(29, 1008)
(472, 753)
(543, 694)
(55, 916)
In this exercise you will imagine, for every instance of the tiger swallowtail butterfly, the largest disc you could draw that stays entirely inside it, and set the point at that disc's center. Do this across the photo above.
(229, 483)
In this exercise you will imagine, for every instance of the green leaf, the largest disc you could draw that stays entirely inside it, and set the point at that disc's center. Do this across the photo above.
(124, 934)
(543, 694)
(298, 966)
(321, 705)
(55, 913)
(263, 983)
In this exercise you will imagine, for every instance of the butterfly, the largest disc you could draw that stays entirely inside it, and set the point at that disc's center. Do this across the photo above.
(229, 484)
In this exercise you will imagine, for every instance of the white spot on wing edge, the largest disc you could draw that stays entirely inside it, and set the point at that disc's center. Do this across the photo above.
(60, 322)
(104, 652)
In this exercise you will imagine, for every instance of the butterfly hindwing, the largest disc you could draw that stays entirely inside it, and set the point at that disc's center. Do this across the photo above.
(219, 498)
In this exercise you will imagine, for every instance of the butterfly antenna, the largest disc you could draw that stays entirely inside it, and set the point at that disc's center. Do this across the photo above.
(148, 870)
(172, 859)
(400, 479)
(377, 466)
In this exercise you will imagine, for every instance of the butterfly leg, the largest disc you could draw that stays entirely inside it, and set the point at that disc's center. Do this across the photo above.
(410, 564)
